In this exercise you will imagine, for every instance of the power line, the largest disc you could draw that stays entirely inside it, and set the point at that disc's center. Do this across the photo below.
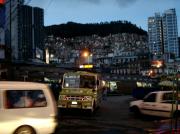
(27, 2)
(49, 4)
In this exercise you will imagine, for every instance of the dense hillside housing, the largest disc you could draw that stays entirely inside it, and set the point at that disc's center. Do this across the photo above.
(123, 53)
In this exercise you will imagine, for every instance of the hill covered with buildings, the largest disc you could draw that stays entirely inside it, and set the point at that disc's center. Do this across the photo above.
(120, 46)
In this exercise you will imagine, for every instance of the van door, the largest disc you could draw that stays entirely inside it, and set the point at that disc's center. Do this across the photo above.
(149, 105)
(166, 104)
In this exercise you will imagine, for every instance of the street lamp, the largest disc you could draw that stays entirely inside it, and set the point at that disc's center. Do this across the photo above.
(85, 60)
(87, 55)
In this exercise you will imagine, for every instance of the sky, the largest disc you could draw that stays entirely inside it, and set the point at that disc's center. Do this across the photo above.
(96, 11)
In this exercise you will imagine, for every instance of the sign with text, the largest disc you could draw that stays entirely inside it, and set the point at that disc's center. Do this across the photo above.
(86, 66)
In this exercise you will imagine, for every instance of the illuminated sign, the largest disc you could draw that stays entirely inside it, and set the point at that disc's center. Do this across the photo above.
(86, 66)
(157, 63)
(72, 76)
(2, 2)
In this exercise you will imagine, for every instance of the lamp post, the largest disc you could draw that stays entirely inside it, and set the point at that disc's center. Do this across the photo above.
(176, 94)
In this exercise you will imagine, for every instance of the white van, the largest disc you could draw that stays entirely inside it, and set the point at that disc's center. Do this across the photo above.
(26, 108)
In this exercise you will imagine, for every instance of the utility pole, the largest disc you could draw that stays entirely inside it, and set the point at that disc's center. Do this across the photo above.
(177, 97)
(9, 51)
(10, 19)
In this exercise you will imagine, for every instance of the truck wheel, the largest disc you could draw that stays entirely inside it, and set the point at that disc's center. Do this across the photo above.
(91, 111)
(93, 107)
(25, 130)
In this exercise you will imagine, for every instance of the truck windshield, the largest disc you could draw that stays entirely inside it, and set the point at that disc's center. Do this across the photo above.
(82, 81)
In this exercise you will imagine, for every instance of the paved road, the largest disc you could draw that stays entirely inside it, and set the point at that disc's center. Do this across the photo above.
(113, 117)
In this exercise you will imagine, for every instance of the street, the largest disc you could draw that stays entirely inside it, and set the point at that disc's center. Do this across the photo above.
(113, 117)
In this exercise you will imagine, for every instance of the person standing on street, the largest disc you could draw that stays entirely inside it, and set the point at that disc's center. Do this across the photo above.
(104, 93)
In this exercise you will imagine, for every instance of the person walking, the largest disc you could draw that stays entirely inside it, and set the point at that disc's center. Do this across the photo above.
(104, 93)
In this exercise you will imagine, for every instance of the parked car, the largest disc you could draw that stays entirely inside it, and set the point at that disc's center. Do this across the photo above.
(158, 103)
(27, 107)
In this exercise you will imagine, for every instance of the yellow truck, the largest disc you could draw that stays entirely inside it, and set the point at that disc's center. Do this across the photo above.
(81, 90)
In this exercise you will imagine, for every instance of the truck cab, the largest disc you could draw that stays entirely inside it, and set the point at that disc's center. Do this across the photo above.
(80, 90)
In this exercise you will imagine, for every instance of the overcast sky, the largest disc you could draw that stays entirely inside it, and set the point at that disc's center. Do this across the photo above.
(95, 11)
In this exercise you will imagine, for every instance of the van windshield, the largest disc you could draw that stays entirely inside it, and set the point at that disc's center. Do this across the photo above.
(82, 81)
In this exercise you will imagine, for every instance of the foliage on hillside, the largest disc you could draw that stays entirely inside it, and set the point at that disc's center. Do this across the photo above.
(72, 29)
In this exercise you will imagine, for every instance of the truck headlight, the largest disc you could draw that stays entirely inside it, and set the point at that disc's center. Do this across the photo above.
(87, 98)
(63, 97)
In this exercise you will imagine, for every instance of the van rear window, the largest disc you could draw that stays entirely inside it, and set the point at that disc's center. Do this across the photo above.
(25, 99)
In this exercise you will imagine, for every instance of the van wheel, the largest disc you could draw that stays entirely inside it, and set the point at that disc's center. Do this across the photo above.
(25, 130)
(176, 114)
(135, 110)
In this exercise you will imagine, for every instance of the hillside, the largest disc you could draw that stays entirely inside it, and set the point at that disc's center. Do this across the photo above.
(72, 29)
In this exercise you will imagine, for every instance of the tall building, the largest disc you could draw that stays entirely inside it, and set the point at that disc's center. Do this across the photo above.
(13, 28)
(25, 44)
(3, 59)
(170, 32)
(2, 33)
(155, 34)
(26, 30)
(162, 34)
(38, 32)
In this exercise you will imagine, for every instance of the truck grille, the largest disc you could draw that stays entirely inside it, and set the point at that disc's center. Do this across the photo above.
(74, 98)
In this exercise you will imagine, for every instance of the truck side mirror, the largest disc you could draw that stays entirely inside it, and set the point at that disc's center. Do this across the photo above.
(60, 81)
(97, 82)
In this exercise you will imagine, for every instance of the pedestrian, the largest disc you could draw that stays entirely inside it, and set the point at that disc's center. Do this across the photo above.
(40, 101)
(24, 101)
(104, 93)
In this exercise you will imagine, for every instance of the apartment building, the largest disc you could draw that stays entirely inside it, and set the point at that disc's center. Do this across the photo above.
(170, 32)
(163, 34)
(24, 31)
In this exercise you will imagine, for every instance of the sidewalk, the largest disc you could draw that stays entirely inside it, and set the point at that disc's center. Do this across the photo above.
(166, 126)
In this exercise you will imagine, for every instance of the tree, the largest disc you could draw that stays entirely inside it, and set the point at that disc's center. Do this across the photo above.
(72, 29)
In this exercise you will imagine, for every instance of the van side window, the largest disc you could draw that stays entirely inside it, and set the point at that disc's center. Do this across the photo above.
(25, 99)
(150, 98)
(168, 98)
